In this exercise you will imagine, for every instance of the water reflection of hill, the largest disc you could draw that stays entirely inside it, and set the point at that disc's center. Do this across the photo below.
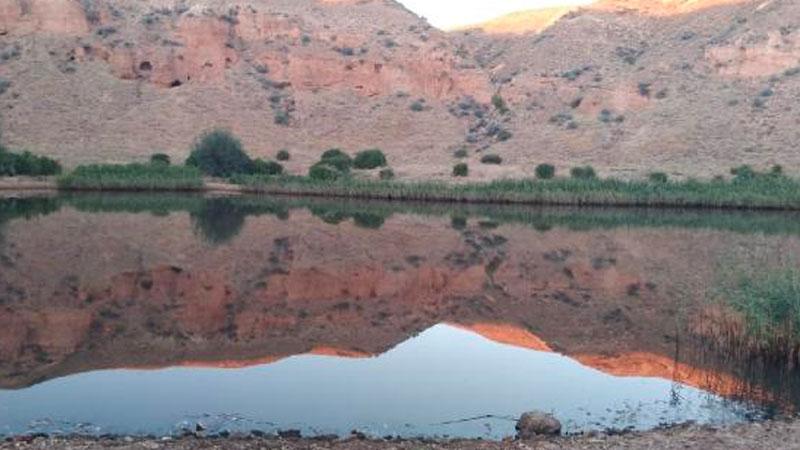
(211, 213)
(97, 281)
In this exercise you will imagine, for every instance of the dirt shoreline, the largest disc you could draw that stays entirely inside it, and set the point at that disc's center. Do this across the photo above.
(50, 185)
(764, 435)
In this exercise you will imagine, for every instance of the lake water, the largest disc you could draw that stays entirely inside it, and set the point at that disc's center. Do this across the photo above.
(153, 314)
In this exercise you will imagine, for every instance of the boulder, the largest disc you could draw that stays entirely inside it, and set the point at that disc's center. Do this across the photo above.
(537, 423)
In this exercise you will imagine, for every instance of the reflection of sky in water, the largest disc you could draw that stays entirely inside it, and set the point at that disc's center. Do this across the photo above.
(444, 374)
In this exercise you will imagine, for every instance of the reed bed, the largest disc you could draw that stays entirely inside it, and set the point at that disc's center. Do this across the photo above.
(761, 192)
(770, 303)
(132, 177)
(756, 316)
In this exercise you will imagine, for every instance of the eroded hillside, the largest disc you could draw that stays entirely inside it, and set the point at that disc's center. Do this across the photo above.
(688, 87)
(692, 88)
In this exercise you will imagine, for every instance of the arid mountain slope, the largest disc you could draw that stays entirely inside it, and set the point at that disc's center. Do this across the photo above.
(521, 22)
(688, 87)
(114, 81)
(691, 87)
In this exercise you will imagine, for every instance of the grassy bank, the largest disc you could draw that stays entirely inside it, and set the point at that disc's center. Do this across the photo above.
(747, 189)
(220, 155)
(132, 177)
(763, 192)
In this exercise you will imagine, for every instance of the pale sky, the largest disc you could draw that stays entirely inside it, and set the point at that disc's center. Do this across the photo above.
(452, 13)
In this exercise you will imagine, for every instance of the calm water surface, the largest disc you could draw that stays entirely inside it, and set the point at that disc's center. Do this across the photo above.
(143, 314)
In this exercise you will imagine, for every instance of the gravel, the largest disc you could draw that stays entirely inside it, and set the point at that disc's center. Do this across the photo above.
(767, 435)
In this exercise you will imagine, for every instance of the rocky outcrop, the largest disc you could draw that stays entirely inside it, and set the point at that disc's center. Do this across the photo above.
(757, 56)
(48, 17)
(537, 423)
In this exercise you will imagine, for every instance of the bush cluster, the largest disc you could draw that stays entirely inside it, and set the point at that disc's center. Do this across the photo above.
(387, 174)
(492, 158)
(324, 172)
(461, 153)
(748, 173)
(369, 159)
(338, 159)
(583, 173)
(333, 164)
(26, 163)
(160, 158)
(545, 171)
(261, 167)
(218, 153)
(460, 170)
(283, 155)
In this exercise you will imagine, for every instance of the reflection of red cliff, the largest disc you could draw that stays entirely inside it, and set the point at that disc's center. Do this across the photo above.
(657, 366)
(58, 331)
(634, 364)
(424, 284)
(145, 298)
(624, 365)
(202, 307)
(508, 334)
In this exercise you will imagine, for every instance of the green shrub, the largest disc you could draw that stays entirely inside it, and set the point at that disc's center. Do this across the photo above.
(333, 153)
(504, 135)
(4, 85)
(324, 172)
(583, 173)
(26, 163)
(499, 104)
(461, 153)
(458, 222)
(545, 171)
(219, 154)
(283, 155)
(460, 170)
(338, 159)
(261, 167)
(744, 173)
(492, 158)
(418, 106)
(658, 177)
(645, 89)
(160, 158)
(369, 159)
(282, 118)
(387, 174)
